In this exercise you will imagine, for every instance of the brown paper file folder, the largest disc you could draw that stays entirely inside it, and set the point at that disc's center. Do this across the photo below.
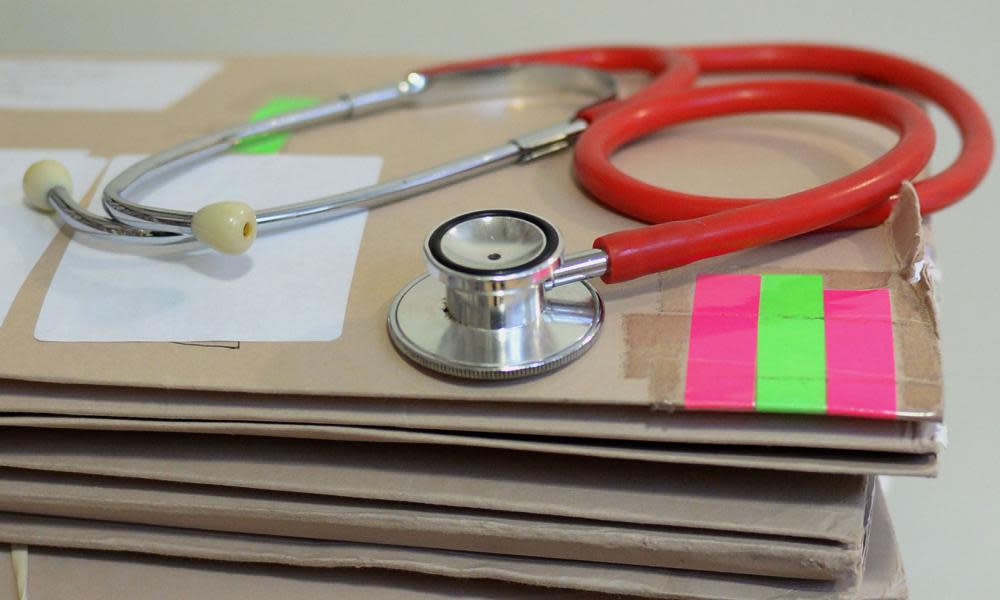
(56, 571)
(753, 457)
(599, 422)
(362, 362)
(94, 575)
(332, 518)
(821, 506)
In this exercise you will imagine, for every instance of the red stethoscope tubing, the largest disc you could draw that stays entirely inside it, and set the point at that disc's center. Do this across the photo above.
(701, 227)
(689, 227)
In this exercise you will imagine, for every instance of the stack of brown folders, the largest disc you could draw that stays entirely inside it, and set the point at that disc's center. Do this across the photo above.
(230, 469)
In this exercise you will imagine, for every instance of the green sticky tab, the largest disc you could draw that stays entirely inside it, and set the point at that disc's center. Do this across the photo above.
(270, 143)
(791, 345)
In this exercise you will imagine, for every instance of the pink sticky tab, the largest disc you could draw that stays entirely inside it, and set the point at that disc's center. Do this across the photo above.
(722, 351)
(860, 362)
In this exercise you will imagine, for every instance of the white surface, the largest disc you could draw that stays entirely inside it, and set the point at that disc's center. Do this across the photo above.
(949, 528)
(102, 85)
(25, 233)
(291, 286)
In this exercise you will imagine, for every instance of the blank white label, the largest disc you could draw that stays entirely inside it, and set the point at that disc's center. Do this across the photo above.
(291, 285)
(99, 85)
(25, 233)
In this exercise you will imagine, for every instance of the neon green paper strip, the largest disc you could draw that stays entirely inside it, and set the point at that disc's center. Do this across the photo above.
(273, 142)
(791, 346)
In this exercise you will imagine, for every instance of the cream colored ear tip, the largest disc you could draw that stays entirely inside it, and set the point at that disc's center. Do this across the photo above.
(42, 177)
(229, 227)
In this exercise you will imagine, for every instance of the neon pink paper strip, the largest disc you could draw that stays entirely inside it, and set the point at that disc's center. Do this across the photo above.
(860, 363)
(722, 353)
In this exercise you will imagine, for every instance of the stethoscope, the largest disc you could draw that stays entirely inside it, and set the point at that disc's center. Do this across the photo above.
(500, 299)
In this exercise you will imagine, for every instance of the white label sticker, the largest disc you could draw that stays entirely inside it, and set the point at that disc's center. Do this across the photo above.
(25, 233)
(292, 285)
(99, 85)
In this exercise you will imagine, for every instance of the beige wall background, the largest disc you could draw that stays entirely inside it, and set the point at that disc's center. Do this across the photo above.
(949, 527)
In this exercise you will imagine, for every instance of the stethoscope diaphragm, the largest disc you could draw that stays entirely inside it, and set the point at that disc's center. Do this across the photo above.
(488, 307)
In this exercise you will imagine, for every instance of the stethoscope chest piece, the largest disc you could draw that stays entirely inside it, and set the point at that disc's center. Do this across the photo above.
(486, 309)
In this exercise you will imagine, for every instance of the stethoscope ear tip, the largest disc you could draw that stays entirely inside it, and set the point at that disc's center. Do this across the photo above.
(40, 178)
(230, 227)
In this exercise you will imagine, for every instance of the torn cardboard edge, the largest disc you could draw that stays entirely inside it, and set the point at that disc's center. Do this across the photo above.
(882, 576)
(912, 250)
(334, 519)
(803, 460)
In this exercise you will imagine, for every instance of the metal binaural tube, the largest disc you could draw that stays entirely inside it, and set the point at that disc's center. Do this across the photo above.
(415, 89)
(578, 267)
(134, 222)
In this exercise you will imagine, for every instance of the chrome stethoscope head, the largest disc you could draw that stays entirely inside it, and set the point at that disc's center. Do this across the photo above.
(490, 306)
